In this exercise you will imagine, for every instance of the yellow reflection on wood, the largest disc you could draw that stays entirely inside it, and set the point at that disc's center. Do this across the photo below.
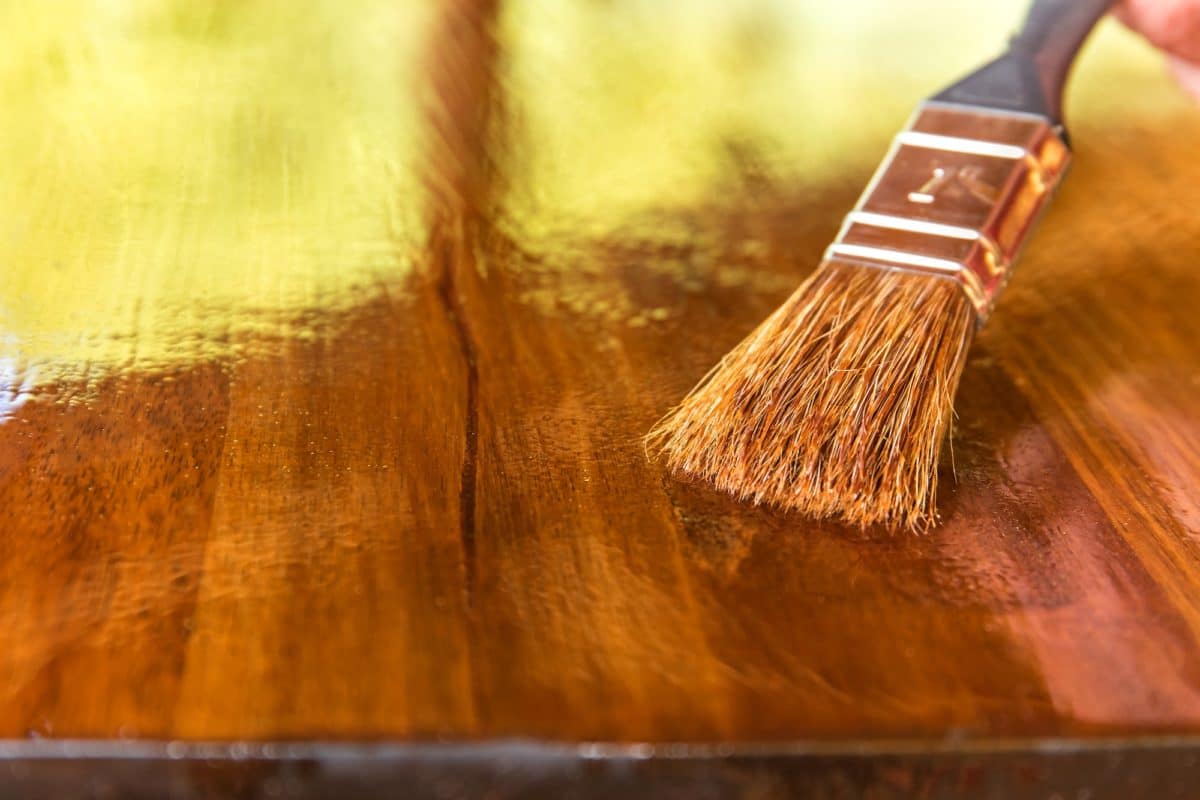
(174, 173)
(628, 106)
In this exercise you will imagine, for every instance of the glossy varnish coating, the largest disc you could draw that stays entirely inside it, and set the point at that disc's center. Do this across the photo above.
(427, 512)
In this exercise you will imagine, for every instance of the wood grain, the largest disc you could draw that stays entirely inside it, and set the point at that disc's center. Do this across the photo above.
(414, 504)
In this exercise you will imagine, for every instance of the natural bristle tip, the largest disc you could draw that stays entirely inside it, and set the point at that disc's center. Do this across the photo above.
(837, 405)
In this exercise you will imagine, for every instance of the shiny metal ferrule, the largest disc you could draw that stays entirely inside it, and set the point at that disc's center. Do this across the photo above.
(957, 196)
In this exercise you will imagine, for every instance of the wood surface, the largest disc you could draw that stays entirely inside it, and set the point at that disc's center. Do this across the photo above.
(402, 495)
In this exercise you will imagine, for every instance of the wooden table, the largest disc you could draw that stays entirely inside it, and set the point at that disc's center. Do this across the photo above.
(328, 335)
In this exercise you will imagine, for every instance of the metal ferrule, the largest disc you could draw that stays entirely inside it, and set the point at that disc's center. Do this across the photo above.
(956, 196)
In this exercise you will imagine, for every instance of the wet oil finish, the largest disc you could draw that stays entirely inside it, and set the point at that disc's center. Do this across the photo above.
(303, 438)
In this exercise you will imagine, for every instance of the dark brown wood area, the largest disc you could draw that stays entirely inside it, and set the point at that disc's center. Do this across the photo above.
(426, 514)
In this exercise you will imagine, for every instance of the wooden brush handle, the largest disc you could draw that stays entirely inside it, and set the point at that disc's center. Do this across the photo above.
(1030, 76)
(1054, 30)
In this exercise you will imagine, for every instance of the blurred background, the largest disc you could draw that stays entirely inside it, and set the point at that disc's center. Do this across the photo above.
(205, 169)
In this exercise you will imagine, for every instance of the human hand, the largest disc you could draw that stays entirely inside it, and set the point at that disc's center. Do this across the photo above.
(1174, 27)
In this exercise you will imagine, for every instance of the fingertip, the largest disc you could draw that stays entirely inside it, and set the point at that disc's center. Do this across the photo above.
(1188, 75)
(1172, 25)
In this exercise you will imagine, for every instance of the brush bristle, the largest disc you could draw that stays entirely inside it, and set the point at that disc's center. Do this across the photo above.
(838, 404)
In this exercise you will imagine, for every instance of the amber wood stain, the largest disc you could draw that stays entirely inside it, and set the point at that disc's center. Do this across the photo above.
(431, 516)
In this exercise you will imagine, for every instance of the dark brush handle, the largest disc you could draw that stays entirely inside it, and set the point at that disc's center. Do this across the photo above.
(1029, 77)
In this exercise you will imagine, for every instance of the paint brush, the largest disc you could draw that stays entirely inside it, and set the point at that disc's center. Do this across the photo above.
(838, 404)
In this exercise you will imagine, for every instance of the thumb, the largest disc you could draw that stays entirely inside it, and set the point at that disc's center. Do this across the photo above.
(1172, 26)
(1188, 74)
